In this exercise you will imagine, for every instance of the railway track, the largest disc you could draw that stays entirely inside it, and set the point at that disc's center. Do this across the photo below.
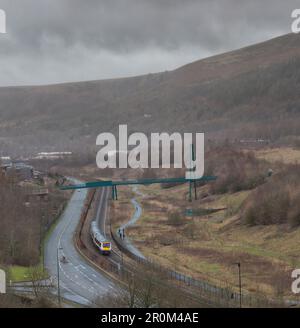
(116, 257)
(79, 281)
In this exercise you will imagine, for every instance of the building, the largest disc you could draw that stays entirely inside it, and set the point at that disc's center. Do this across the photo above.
(20, 170)
(5, 161)
(53, 155)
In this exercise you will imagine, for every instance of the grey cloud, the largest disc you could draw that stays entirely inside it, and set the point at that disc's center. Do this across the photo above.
(46, 38)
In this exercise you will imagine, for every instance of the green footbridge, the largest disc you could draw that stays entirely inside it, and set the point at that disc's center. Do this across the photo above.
(113, 184)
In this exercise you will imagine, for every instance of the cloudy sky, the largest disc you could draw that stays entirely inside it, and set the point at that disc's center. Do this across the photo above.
(52, 41)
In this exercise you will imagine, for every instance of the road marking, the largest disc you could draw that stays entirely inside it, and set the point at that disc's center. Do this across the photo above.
(91, 280)
(101, 288)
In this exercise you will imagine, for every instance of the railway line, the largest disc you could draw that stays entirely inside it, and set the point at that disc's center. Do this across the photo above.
(116, 257)
(79, 281)
(102, 223)
(117, 269)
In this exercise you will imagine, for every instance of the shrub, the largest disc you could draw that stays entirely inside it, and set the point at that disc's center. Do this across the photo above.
(175, 218)
(275, 202)
(236, 170)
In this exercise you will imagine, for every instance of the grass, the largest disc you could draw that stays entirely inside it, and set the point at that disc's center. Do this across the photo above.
(268, 254)
(285, 155)
(21, 273)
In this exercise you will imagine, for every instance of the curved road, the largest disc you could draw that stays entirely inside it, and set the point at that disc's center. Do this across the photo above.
(136, 215)
(79, 281)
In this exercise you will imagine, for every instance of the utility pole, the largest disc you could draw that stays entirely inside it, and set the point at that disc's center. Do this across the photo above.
(195, 187)
(42, 242)
(240, 281)
(191, 183)
(58, 281)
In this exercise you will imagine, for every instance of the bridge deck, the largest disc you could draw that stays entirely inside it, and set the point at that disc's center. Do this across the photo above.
(111, 183)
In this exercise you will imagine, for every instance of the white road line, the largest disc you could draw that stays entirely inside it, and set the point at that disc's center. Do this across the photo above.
(63, 271)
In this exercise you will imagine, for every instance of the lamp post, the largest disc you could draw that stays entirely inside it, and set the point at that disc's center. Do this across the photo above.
(42, 241)
(58, 282)
(240, 281)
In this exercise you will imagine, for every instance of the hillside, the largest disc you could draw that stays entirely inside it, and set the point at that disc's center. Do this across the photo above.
(245, 216)
(252, 92)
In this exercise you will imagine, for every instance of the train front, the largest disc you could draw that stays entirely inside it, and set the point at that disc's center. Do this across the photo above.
(105, 247)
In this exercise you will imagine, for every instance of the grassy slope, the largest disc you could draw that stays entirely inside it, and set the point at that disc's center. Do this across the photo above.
(268, 253)
(284, 155)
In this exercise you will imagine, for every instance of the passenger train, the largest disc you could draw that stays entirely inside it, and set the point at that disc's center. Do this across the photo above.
(99, 240)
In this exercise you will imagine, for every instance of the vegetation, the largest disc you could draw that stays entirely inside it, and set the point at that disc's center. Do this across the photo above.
(13, 301)
(277, 201)
(147, 288)
(175, 219)
(236, 170)
(24, 223)
(206, 245)
(249, 93)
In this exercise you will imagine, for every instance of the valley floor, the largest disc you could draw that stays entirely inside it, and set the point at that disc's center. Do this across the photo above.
(207, 245)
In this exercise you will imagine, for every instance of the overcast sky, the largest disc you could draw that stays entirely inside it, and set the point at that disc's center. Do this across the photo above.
(52, 41)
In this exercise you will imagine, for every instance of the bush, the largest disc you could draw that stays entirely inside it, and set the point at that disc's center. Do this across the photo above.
(24, 222)
(294, 213)
(275, 202)
(236, 170)
(175, 218)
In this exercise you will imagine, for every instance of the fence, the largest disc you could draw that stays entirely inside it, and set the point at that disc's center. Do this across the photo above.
(120, 270)
(222, 294)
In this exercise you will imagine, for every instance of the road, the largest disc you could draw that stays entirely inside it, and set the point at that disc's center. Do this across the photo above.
(136, 215)
(79, 281)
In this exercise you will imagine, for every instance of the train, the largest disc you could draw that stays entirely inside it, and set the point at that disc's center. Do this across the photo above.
(101, 242)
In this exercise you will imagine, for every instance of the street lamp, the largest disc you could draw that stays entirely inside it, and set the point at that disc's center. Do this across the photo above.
(240, 281)
(42, 221)
(58, 282)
